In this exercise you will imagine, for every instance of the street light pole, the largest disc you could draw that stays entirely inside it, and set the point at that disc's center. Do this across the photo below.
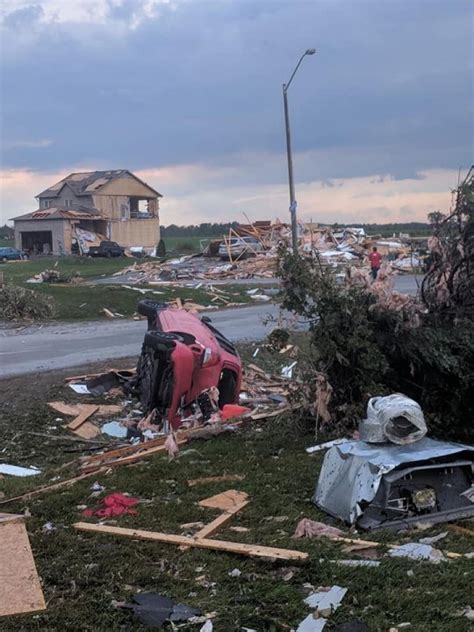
(291, 182)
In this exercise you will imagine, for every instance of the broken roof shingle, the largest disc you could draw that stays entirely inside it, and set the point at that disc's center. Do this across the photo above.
(62, 212)
(87, 182)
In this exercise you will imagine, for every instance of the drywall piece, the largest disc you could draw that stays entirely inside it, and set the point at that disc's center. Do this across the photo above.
(326, 600)
(180, 540)
(310, 624)
(226, 500)
(20, 588)
(16, 470)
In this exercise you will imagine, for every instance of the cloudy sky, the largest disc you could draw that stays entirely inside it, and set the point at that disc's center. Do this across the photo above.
(187, 94)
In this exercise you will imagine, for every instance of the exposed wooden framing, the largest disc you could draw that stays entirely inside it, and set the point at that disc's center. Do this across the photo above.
(253, 550)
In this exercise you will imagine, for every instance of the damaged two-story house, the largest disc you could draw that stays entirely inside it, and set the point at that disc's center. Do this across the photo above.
(85, 208)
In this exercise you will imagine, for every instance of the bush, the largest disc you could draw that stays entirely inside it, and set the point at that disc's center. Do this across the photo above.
(18, 303)
(366, 349)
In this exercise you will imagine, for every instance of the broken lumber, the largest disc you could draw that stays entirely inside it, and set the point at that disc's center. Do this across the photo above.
(133, 458)
(252, 550)
(20, 588)
(214, 479)
(52, 488)
(226, 501)
(87, 411)
(461, 530)
(219, 522)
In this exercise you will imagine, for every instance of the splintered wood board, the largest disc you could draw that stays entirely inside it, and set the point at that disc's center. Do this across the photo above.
(226, 501)
(87, 411)
(253, 550)
(20, 588)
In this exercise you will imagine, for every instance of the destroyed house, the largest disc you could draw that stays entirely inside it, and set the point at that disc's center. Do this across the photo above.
(85, 208)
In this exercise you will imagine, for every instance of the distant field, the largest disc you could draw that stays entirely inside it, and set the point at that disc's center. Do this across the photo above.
(185, 244)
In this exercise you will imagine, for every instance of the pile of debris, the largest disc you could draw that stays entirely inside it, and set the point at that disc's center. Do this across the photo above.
(55, 276)
(394, 476)
(18, 303)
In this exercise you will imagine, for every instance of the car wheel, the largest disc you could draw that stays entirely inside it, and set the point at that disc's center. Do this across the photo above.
(4, 259)
(155, 339)
(148, 308)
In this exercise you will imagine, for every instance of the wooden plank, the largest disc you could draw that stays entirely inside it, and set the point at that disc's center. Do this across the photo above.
(52, 488)
(87, 411)
(226, 501)
(219, 522)
(75, 409)
(107, 457)
(87, 431)
(253, 550)
(126, 460)
(20, 588)
(214, 479)
(461, 530)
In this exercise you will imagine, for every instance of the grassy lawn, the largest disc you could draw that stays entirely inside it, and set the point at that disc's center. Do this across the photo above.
(85, 302)
(185, 244)
(83, 574)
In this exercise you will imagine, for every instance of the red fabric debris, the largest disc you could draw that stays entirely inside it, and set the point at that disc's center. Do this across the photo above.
(234, 410)
(114, 505)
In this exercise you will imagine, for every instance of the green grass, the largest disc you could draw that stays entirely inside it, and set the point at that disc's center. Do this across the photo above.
(83, 574)
(184, 244)
(86, 302)
(88, 268)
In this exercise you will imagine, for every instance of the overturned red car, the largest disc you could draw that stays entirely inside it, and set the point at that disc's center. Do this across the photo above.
(183, 360)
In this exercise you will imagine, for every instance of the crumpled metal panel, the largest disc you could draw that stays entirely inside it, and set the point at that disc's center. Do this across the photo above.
(351, 472)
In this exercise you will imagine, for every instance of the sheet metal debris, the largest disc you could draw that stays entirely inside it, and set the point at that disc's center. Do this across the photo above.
(356, 474)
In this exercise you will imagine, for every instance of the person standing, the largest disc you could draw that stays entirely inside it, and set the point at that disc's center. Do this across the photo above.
(375, 259)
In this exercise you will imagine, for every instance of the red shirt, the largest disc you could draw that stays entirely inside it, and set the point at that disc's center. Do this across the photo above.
(375, 259)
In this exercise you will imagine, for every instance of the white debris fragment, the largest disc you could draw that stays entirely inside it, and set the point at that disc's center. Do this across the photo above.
(325, 601)
(287, 371)
(81, 389)
(16, 470)
(310, 624)
(326, 445)
(435, 538)
(417, 551)
(235, 573)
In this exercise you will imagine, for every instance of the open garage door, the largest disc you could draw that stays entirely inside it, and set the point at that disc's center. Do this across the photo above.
(37, 241)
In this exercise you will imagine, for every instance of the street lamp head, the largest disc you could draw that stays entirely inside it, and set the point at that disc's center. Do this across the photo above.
(310, 51)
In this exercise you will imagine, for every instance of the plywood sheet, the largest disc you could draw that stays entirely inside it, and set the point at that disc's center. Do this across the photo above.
(225, 501)
(20, 588)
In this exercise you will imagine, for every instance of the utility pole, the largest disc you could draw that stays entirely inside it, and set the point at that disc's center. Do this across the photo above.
(291, 182)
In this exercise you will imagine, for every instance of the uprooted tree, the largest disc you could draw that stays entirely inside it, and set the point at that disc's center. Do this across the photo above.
(367, 339)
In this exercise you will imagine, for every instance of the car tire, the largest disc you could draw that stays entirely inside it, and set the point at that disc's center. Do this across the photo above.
(4, 259)
(148, 308)
(155, 339)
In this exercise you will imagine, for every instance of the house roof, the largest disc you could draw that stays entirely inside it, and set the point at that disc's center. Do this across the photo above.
(89, 182)
(61, 212)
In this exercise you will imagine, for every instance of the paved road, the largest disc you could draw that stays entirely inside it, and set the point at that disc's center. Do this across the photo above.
(66, 345)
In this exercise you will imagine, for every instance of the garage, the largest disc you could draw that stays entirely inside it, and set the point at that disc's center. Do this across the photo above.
(37, 241)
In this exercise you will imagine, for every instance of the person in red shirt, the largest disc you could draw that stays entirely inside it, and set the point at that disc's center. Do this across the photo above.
(375, 259)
